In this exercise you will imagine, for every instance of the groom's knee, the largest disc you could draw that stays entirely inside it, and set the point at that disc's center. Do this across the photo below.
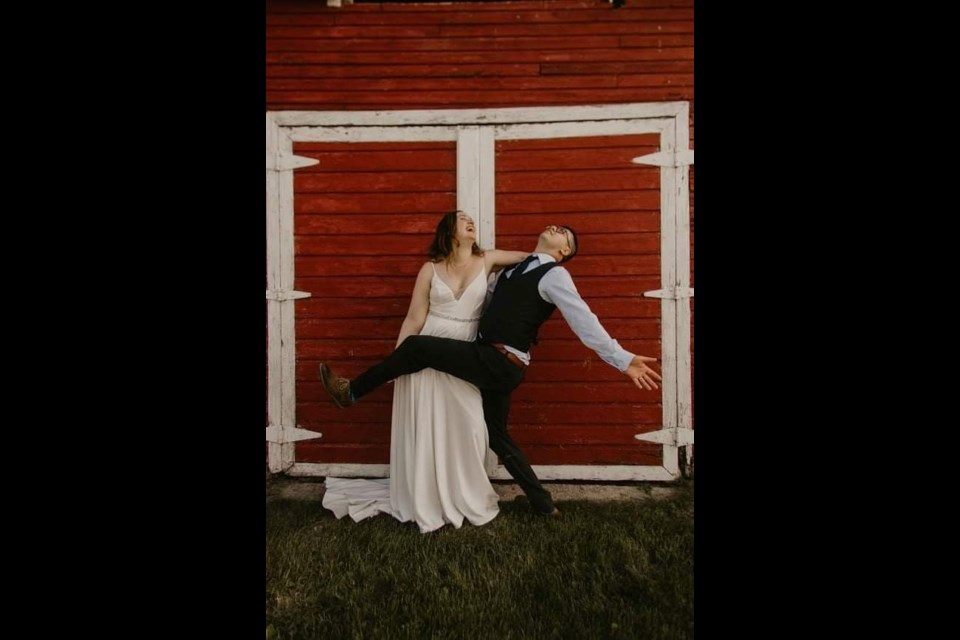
(415, 349)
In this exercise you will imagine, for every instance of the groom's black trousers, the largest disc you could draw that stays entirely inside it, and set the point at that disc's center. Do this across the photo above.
(482, 365)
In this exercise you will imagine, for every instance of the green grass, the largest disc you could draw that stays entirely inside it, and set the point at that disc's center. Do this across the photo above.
(606, 570)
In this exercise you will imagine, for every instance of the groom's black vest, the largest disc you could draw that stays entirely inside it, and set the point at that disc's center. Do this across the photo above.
(516, 310)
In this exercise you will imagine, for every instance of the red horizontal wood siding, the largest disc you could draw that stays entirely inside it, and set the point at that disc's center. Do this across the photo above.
(618, 243)
(368, 211)
(470, 54)
(363, 219)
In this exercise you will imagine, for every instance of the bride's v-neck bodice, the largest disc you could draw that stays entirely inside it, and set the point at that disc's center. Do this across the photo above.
(452, 317)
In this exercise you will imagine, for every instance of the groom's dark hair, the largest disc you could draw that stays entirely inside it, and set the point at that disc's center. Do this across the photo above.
(576, 244)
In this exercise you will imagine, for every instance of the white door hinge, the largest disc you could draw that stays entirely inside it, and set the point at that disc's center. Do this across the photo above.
(281, 435)
(674, 293)
(666, 159)
(282, 295)
(676, 436)
(286, 163)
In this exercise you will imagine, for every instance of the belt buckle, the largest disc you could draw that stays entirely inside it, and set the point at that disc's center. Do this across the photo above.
(514, 359)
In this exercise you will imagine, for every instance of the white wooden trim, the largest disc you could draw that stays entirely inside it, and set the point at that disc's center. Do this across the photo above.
(281, 358)
(479, 116)
(374, 134)
(579, 129)
(468, 171)
(682, 120)
(682, 222)
(475, 131)
(611, 473)
(475, 180)
(274, 459)
(668, 305)
(314, 470)
(487, 176)
(288, 355)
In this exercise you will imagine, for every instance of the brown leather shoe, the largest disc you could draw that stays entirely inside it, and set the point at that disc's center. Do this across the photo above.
(553, 515)
(337, 387)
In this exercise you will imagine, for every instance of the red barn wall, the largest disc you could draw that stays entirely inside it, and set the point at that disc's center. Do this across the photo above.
(365, 214)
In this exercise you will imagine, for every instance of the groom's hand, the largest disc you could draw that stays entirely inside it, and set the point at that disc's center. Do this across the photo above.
(642, 375)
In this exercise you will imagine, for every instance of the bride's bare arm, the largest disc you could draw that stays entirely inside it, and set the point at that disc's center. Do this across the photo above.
(419, 304)
(498, 258)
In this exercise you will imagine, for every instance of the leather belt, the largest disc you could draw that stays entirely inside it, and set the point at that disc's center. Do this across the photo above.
(512, 357)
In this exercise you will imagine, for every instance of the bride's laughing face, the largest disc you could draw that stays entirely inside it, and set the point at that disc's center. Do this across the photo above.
(466, 229)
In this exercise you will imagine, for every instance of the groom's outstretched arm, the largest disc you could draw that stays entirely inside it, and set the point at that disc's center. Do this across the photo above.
(556, 287)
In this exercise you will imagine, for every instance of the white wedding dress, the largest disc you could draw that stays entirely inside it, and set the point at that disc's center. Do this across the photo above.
(439, 451)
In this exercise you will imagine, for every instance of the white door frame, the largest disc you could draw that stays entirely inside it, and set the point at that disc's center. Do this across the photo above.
(475, 132)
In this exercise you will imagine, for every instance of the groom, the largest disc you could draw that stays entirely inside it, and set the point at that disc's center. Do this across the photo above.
(524, 297)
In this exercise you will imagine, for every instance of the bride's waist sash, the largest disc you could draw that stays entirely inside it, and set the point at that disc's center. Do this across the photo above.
(449, 317)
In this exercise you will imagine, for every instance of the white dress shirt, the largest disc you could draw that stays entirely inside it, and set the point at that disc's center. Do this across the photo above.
(557, 288)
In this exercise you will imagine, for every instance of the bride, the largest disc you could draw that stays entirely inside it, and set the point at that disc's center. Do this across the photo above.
(438, 438)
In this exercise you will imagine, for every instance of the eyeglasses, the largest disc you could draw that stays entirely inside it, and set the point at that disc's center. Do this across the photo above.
(566, 234)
